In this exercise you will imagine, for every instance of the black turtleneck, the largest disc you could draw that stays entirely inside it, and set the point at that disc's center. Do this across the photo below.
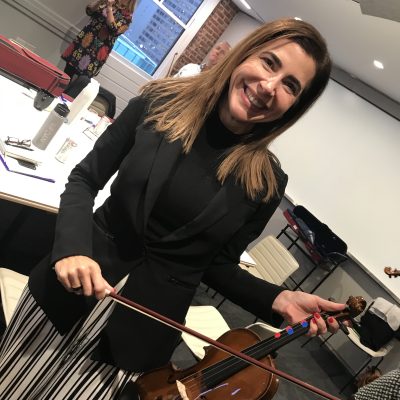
(196, 173)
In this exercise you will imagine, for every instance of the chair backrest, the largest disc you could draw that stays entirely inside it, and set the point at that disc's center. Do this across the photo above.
(273, 261)
(105, 103)
(206, 320)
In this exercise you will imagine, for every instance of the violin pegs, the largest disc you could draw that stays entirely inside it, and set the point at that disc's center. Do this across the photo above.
(343, 327)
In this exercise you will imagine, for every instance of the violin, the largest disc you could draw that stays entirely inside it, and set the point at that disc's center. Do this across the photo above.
(244, 368)
(391, 272)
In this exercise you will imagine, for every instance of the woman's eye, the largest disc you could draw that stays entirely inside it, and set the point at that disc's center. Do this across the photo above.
(292, 87)
(268, 62)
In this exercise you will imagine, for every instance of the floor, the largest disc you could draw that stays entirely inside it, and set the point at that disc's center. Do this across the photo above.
(313, 364)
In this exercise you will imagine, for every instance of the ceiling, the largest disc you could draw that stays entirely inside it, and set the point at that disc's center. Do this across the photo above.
(354, 39)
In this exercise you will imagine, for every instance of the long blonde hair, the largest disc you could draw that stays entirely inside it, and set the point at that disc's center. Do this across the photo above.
(180, 106)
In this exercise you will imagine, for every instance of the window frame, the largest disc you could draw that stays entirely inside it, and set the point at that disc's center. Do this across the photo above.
(190, 30)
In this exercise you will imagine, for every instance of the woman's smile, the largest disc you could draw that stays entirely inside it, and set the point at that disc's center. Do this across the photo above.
(253, 99)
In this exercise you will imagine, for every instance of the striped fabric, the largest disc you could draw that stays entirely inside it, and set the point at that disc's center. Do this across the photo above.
(36, 363)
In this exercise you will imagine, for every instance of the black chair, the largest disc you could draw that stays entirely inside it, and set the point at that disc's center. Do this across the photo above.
(76, 86)
(103, 104)
(320, 245)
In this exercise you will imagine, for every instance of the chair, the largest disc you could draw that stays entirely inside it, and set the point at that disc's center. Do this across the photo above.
(381, 353)
(11, 286)
(320, 245)
(206, 320)
(274, 263)
(104, 103)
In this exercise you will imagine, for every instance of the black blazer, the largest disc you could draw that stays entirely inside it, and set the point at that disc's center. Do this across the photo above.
(163, 273)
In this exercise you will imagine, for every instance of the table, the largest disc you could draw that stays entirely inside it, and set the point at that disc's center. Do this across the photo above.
(22, 120)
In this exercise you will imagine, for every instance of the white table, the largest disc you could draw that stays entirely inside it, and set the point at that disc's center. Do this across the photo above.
(20, 119)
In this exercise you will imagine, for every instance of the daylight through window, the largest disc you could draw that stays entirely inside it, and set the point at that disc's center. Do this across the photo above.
(156, 26)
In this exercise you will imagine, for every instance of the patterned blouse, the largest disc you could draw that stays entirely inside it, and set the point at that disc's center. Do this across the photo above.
(91, 48)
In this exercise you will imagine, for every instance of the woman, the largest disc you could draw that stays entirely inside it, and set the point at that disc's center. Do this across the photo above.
(91, 48)
(386, 387)
(196, 184)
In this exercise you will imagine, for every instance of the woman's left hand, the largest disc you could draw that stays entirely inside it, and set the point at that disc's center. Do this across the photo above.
(296, 306)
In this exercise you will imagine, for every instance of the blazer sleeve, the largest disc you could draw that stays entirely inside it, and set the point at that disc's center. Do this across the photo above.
(73, 232)
(224, 274)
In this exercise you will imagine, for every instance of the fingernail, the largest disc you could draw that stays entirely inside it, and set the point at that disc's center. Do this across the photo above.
(330, 320)
(313, 320)
(317, 316)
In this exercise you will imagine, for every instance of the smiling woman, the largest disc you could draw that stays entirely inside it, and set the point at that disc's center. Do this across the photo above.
(196, 184)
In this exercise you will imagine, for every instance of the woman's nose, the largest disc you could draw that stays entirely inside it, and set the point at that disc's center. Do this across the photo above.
(268, 87)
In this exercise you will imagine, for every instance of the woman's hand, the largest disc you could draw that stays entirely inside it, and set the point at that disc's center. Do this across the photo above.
(296, 306)
(82, 275)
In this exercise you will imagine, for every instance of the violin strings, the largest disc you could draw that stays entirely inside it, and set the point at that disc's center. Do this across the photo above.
(261, 349)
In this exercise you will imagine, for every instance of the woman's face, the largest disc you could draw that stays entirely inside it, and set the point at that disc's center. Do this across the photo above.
(266, 85)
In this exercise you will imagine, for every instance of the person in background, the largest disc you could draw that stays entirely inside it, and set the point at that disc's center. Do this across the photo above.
(386, 387)
(217, 53)
(91, 48)
(196, 183)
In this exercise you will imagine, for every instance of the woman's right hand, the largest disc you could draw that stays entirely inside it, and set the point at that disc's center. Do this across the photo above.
(82, 275)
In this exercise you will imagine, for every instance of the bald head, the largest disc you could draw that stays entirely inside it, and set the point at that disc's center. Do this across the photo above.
(217, 53)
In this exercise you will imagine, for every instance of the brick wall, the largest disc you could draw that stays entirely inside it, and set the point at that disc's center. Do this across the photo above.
(207, 35)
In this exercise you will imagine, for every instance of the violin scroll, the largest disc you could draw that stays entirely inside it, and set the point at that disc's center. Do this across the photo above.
(389, 271)
(356, 305)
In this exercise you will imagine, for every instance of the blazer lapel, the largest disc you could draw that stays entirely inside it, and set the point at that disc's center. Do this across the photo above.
(167, 155)
(225, 200)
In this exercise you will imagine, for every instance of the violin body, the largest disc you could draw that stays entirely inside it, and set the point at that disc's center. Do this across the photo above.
(207, 379)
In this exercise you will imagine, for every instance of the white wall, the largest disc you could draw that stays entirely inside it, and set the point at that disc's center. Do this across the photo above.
(343, 165)
(240, 26)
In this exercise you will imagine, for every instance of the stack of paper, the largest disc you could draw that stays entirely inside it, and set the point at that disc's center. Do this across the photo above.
(22, 161)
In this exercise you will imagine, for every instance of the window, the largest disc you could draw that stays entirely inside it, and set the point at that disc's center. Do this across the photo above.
(156, 26)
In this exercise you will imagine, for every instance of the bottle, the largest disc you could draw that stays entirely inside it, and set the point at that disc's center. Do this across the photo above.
(50, 126)
(65, 150)
(83, 101)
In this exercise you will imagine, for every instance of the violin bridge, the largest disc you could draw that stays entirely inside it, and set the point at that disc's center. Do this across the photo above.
(182, 390)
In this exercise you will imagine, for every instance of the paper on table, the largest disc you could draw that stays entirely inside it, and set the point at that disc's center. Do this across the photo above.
(33, 156)
(12, 164)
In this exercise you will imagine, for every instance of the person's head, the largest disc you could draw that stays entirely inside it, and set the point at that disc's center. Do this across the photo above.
(285, 64)
(290, 53)
(217, 53)
(127, 4)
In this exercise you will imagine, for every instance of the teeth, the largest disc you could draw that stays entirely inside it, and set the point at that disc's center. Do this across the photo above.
(254, 100)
